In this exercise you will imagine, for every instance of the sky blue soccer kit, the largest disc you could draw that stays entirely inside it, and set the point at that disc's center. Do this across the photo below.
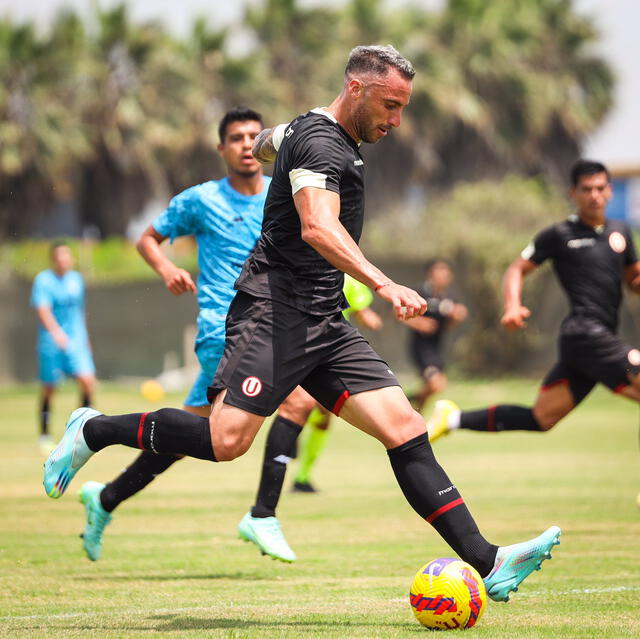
(64, 296)
(226, 225)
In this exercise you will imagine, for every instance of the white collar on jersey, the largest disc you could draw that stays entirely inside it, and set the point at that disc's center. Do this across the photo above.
(598, 229)
(323, 111)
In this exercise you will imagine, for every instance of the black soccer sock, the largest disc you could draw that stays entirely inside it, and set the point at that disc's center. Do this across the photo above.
(497, 418)
(133, 479)
(85, 399)
(278, 452)
(44, 415)
(432, 495)
(167, 431)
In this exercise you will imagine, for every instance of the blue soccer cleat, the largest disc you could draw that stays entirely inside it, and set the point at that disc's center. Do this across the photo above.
(515, 563)
(69, 456)
(97, 519)
(266, 533)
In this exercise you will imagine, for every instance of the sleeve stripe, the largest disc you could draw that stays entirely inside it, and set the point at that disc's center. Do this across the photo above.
(278, 136)
(300, 178)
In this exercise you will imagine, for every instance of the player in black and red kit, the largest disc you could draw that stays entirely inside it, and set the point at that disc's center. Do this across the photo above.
(592, 258)
(427, 331)
(285, 327)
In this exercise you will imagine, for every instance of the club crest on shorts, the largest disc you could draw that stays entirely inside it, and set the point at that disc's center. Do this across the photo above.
(251, 386)
(617, 242)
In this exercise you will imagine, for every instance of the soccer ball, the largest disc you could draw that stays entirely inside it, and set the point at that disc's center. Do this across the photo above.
(447, 594)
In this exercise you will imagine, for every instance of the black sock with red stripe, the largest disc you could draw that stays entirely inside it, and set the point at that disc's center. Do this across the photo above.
(497, 418)
(168, 431)
(44, 415)
(278, 452)
(134, 478)
(432, 495)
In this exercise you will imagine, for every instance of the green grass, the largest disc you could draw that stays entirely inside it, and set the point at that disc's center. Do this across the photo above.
(173, 567)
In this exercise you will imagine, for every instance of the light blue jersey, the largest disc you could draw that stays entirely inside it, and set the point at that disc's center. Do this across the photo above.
(226, 225)
(64, 296)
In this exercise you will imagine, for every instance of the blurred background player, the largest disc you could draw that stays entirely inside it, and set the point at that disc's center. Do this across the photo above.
(63, 341)
(592, 257)
(427, 331)
(225, 217)
(260, 525)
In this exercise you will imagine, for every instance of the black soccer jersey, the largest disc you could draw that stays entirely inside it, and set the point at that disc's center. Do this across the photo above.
(316, 151)
(589, 263)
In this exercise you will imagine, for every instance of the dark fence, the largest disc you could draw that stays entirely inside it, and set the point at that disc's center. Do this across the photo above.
(133, 328)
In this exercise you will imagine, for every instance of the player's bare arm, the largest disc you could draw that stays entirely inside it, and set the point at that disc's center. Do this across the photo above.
(369, 319)
(51, 325)
(422, 324)
(177, 280)
(632, 277)
(515, 314)
(267, 142)
(319, 211)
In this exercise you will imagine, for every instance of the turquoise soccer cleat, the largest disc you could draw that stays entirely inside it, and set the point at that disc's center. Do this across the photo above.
(266, 533)
(69, 456)
(97, 519)
(515, 563)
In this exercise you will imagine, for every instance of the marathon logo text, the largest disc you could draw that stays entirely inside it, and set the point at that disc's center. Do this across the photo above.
(580, 242)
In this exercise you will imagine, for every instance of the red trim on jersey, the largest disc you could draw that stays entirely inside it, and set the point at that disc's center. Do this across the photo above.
(140, 429)
(491, 418)
(337, 407)
(443, 509)
(620, 388)
(562, 380)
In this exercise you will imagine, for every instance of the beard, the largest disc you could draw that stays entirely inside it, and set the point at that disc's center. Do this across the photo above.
(366, 130)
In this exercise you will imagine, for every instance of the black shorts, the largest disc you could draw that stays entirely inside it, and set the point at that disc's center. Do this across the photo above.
(271, 348)
(427, 358)
(595, 355)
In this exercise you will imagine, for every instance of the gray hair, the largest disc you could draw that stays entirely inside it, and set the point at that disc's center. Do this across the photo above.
(377, 59)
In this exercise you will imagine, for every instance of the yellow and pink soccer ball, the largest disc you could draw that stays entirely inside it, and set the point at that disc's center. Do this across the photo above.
(447, 594)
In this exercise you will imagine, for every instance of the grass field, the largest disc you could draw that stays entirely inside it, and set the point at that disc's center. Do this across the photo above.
(173, 567)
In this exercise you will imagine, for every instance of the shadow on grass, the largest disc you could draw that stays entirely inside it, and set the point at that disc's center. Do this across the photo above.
(194, 623)
(176, 577)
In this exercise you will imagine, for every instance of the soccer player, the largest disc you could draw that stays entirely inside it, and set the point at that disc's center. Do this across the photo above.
(225, 217)
(425, 338)
(63, 342)
(592, 258)
(285, 327)
(260, 525)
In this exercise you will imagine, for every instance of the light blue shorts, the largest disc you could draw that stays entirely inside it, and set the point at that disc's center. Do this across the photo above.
(55, 363)
(208, 351)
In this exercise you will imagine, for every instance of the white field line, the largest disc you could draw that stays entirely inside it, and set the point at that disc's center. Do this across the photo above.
(164, 611)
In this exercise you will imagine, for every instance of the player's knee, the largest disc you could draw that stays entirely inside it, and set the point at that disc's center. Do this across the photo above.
(230, 447)
(437, 383)
(297, 408)
(408, 424)
(545, 421)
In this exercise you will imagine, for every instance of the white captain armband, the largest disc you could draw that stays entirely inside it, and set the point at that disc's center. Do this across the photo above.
(300, 178)
(278, 135)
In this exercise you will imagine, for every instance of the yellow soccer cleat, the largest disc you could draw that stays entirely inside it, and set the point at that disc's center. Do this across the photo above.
(438, 423)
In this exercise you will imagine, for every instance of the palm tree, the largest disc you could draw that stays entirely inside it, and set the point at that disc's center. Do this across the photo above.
(40, 138)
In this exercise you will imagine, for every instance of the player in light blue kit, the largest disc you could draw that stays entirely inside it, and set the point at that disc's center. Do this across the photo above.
(63, 343)
(225, 216)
